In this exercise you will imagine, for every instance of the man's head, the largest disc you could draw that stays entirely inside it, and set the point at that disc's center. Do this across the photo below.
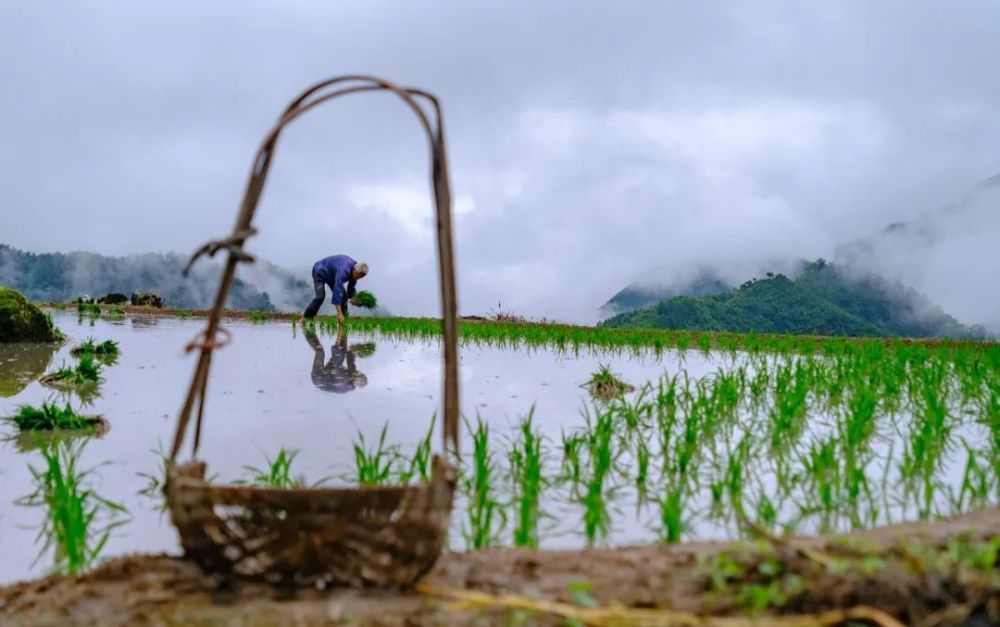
(360, 270)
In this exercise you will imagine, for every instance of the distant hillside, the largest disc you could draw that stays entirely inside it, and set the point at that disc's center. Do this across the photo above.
(637, 296)
(824, 300)
(63, 276)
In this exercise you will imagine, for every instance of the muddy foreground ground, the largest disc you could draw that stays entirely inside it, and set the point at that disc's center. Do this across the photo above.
(929, 574)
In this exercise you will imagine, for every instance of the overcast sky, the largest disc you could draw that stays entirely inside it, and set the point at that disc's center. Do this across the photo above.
(592, 143)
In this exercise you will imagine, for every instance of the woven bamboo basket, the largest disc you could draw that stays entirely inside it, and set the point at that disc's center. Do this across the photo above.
(369, 536)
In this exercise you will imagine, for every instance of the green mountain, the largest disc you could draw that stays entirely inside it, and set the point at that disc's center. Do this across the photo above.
(636, 295)
(49, 277)
(824, 300)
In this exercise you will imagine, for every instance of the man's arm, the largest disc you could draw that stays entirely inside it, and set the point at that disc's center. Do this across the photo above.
(351, 285)
(339, 296)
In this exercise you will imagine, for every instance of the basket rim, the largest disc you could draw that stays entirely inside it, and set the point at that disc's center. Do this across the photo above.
(189, 482)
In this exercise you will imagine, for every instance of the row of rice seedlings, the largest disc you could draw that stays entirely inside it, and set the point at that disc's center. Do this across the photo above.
(258, 316)
(568, 337)
(810, 422)
(78, 522)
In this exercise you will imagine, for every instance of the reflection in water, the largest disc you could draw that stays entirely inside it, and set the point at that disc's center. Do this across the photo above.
(20, 364)
(140, 321)
(340, 374)
(28, 441)
(77, 521)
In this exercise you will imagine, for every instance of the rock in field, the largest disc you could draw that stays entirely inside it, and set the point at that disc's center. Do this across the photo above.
(146, 299)
(114, 298)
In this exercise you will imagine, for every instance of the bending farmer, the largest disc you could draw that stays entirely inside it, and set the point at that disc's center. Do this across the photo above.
(335, 271)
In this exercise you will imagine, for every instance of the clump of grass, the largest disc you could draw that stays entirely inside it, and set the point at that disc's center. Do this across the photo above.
(365, 299)
(91, 347)
(86, 371)
(183, 315)
(115, 313)
(258, 316)
(605, 385)
(88, 306)
(50, 417)
(78, 522)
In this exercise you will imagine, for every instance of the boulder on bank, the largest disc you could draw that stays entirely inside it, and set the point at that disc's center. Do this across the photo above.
(114, 298)
(146, 299)
(23, 321)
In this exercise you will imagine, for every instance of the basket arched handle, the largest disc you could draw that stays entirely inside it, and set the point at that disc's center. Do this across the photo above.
(307, 100)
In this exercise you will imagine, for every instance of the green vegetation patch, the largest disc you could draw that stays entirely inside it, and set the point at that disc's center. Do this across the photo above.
(50, 417)
(91, 347)
(22, 321)
(78, 522)
(86, 371)
(365, 299)
(605, 385)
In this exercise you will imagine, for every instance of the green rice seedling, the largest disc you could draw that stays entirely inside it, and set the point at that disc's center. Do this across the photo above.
(50, 417)
(258, 316)
(642, 466)
(525, 460)
(91, 347)
(600, 440)
(374, 467)
(115, 312)
(277, 473)
(183, 315)
(605, 385)
(977, 482)
(86, 371)
(483, 514)
(572, 445)
(365, 299)
(672, 515)
(418, 466)
(78, 522)
(156, 482)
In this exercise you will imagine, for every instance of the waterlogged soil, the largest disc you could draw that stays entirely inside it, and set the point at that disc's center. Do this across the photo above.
(658, 584)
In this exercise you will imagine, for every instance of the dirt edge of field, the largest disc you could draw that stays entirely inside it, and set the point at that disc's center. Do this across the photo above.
(657, 584)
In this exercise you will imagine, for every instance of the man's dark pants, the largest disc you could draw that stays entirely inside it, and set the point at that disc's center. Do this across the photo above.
(320, 286)
(317, 302)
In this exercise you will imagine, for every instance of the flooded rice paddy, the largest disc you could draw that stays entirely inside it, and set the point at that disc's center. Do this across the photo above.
(800, 443)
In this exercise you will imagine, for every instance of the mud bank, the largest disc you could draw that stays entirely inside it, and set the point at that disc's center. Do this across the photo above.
(942, 573)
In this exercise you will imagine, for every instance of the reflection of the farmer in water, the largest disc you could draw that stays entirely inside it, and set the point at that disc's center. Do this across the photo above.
(340, 373)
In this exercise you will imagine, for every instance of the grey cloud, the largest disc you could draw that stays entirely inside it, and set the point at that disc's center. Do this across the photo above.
(596, 143)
